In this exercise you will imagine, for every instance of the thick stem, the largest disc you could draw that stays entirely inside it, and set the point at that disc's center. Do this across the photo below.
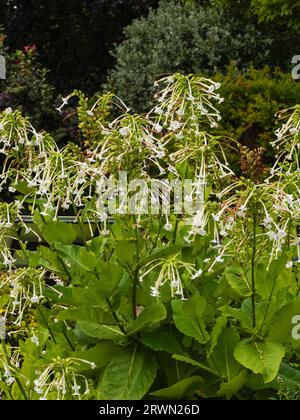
(253, 271)
(136, 273)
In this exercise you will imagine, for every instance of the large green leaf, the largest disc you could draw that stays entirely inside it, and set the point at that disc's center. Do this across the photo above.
(77, 256)
(161, 339)
(244, 314)
(101, 331)
(50, 260)
(270, 282)
(183, 389)
(152, 314)
(93, 314)
(264, 357)
(100, 355)
(222, 359)
(109, 276)
(188, 318)
(290, 375)
(193, 362)
(58, 232)
(128, 376)
(282, 327)
(231, 388)
(216, 332)
(126, 252)
(238, 280)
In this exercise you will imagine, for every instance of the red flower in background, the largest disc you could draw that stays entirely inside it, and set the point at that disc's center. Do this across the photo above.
(30, 49)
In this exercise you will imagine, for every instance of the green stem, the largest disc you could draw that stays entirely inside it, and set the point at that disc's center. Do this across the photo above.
(47, 325)
(80, 226)
(115, 316)
(136, 273)
(253, 271)
(18, 382)
(68, 341)
(64, 266)
(157, 237)
(68, 384)
(175, 230)
(134, 292)
(22, 249)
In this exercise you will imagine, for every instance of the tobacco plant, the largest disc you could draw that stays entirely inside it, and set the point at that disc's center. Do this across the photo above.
(186, 290)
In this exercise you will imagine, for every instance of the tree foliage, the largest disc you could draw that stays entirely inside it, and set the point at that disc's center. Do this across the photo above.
(179, 38)
(281, 12)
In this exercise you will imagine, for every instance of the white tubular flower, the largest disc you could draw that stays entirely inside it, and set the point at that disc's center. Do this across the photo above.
(60, 378)
(25, 289)
(124, 131)
(169, 273)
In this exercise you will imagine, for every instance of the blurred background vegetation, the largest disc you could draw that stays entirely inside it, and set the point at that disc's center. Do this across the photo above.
(54, 46)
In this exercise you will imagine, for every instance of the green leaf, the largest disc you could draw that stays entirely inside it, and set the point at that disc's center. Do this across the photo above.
(263, 358)
(263, 311)
(90, 297)
(192, 362)
(289, 375)
(151, 315)
(163, 253)
(58, 232)
(161, 339)
(97, 245)
(231, 388)
(78, 256)
(216, 332)
(126, 252)
(222, 359)
(101, 331)
(93, 314)
(100, 355)
(109, 276)
(282, 329)
(269, 283)
(183, 389)
(3, 301)
(238, 280)
(128, 376)
(188, 318)
(50, 260)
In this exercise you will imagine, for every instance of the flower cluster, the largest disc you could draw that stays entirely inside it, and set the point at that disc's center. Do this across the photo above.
(8, 214)
(24, 287)
(170, 271)
(60, 377)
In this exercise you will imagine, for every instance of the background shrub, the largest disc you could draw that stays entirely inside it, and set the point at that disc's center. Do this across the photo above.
(176, 37)
(27, 87)
(252, 99)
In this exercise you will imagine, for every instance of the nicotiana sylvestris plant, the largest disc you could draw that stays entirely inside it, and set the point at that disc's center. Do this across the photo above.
(186, 282)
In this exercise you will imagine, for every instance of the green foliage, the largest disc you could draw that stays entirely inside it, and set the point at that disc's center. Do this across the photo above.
(279, 11)
(174, 38)
(198, 305)
(252, 100)
(128, 376)
(28, 89)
